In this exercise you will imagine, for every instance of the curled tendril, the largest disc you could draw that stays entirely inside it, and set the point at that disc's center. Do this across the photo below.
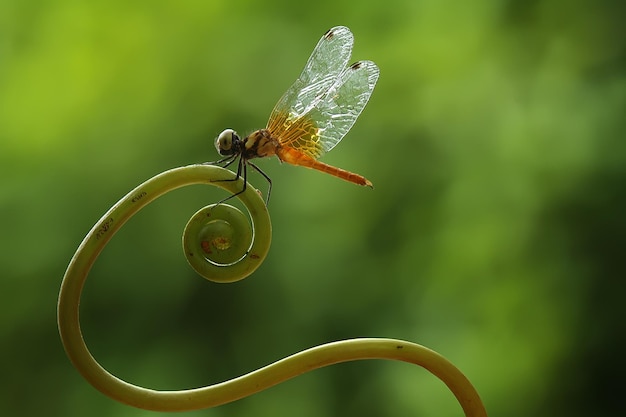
(222, 246)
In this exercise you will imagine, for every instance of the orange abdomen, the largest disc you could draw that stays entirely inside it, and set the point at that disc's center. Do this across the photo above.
(294, 157)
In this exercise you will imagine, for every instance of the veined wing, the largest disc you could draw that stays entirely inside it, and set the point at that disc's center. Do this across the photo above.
(327, 61)
(331, 115)
(335, 114)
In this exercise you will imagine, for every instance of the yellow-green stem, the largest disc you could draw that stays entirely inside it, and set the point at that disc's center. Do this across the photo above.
(185, 400)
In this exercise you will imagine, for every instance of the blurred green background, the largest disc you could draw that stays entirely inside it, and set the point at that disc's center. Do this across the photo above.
(495, 233)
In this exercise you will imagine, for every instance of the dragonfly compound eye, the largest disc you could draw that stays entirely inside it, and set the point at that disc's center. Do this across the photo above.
(224, 142)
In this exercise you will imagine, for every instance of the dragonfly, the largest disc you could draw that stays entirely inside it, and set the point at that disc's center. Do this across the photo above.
(312, 116)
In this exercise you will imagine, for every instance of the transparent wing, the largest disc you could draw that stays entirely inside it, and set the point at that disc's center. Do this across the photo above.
(331, 115)
(328, 60)
(337, 111)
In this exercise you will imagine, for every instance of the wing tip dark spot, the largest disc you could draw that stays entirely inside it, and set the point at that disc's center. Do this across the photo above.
(329, 34)
(356, 65)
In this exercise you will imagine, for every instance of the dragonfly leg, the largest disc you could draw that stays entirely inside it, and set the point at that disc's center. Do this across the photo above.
(269, 180)
(242, 165)
(222, 162)
(242, 169)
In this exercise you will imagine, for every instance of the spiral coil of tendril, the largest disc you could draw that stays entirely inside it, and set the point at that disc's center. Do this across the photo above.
(223, 246)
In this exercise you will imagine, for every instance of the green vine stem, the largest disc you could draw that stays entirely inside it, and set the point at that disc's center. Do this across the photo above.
(217, 248)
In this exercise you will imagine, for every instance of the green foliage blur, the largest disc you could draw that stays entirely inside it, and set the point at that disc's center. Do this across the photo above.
(495, 233)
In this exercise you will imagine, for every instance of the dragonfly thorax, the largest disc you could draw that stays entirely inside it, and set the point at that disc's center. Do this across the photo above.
(259, 144)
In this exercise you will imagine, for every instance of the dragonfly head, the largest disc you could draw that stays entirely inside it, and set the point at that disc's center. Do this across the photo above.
(228, 143)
